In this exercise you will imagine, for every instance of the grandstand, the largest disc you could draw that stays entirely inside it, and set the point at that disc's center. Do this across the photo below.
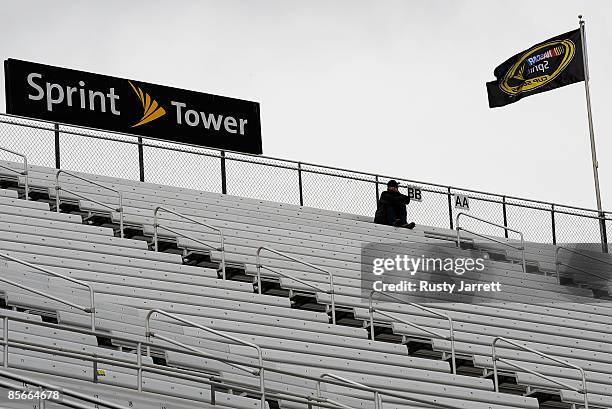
(126, 294)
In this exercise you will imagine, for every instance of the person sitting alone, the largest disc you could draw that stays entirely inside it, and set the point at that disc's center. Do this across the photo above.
(391, 209)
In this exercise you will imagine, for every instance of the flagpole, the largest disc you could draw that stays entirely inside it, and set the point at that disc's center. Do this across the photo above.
(585, 60)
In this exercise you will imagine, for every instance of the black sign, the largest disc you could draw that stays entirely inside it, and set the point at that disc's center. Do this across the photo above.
(551, 64)
(130, 106)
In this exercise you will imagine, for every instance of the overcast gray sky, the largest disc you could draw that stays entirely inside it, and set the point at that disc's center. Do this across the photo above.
(393, 87)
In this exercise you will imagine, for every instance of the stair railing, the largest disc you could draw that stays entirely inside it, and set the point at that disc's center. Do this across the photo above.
(260, 370)
(583, 254)
(450, 337)
(297, 260)
(23, 173)
(58, 188)
(543, 355)
(521, 248)
(377, 397)
(91, 309)
(157, 226)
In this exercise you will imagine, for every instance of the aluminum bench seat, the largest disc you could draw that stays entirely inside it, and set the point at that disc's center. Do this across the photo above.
(505, 315)
(93, 263)
(169, 264)
(114, 376)
(469, 349)
(212, 307)
(538, 382)
(9, 193)
(119, 395)
(94, 248)
(595, 400)
(47, 232)
(23, 204)
(55, 225)
(48, 174)
(524, 304)
(480, 331)
(40, 214)
(558, 373)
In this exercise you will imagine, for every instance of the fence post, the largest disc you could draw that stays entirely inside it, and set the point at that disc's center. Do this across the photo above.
(223, 174)
(141, 159)
(604, 234)
(57, 147)
(505, 216)
(554, 230)
(450, 208)
(300, 183)
(377, 192)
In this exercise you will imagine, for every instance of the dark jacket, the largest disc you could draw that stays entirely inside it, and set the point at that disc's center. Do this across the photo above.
(389, 199)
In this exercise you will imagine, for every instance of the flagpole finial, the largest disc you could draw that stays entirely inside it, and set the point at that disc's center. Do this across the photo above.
(580, 18)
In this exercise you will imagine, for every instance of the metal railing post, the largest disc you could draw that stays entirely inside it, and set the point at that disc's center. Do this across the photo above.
(377, 399)
(139, 363)
(58, 188)
(297, 260)
(23, 173)
(299, 167)
(377, 189)
(149, 333)
(451, 326)
(57, 146)
(495, 358)
(505, 216)
(5, 329)
(521, 248)
(450, 208)
(604, 234)
(223, 174)
(554, 227)
(156, 226)
(141, 159)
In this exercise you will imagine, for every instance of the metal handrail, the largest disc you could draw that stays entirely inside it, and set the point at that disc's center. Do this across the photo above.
(25, 170)
(451, 327)
(377, 398)
(63, 390)
(183, 374)
(91, 310)
(583, 254)
(297, 260)
(261, 371)
(521, 248)
(552, 358)
(58, 188)
(156, 226)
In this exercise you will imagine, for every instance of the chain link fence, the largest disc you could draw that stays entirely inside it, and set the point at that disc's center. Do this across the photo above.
(263, 178)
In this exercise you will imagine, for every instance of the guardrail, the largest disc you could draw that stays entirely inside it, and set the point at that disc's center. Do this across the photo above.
(583, 254)
(156, 226)
(450, 338)
(25, 170)
(548, 378)
(506, 228)
(297, 260)
(58, 188)
(377, 398)
(260, 371)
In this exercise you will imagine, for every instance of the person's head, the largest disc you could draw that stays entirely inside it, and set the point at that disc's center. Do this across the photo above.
(392, 186)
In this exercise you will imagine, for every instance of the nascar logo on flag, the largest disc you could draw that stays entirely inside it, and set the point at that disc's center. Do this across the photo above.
(551, 64)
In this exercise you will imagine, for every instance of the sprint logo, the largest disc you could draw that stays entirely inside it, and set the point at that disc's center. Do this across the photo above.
(151, 109)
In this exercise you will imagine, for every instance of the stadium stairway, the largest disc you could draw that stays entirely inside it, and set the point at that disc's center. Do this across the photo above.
(287, 318)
